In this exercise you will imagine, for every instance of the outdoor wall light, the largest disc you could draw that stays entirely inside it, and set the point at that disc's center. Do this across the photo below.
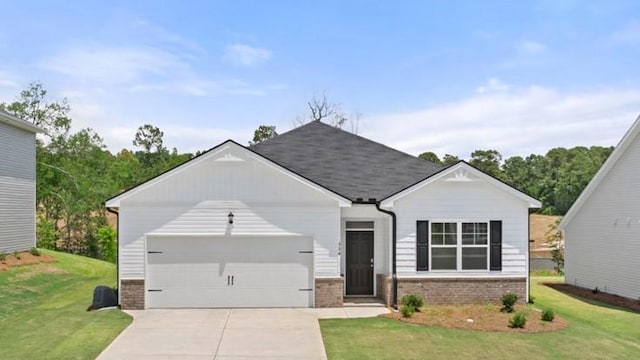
(230, 216)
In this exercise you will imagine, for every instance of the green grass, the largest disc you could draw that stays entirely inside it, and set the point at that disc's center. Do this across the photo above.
(43, 309)
(597, 331)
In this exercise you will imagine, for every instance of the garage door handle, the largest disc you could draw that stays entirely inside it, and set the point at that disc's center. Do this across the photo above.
(228, 280)
(154, 252)
(232, 280)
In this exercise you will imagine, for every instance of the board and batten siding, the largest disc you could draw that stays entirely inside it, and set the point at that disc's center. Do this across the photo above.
(17, 189)
(472, 201)
(602, 241)
(197, 200)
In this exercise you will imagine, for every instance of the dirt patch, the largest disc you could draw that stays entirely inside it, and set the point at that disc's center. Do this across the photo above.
(609, 299)
(538, 227)
(480, 318)
(23, 258)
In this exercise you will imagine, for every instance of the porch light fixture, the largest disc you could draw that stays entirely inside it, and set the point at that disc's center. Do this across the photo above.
(230, 216)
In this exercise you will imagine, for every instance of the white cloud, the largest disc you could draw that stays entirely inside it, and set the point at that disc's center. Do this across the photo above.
(245, 55)
(531, 47)
(169, 38)
(8, 81)
(492, 85)
(629, 34)
(514, 122)
(110, 65)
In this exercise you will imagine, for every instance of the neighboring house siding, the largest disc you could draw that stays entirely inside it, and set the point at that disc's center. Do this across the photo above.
(17, 189)
(603, 238)
(472, 201)
(198, 199)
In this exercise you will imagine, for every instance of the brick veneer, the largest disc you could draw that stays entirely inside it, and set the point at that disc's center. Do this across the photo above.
(455, 290)
(383, 285)
(132, 294)
(329, 292)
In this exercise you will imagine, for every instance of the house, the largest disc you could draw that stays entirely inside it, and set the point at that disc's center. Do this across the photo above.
(315, 215)
(17, 184)
(602, 228)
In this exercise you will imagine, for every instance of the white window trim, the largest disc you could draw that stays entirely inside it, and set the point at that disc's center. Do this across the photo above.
(459, 245)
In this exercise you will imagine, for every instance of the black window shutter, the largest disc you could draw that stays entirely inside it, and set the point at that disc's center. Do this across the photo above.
(422, 245)
(495, 247)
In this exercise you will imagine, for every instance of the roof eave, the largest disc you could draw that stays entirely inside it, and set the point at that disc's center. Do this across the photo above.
(620, 149)
(15, 121)
(388, 202)
(114, 202)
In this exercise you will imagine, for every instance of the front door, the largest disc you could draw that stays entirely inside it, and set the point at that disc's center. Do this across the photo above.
(359, 263)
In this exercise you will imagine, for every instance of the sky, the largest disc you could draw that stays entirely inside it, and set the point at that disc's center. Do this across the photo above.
(450, 77)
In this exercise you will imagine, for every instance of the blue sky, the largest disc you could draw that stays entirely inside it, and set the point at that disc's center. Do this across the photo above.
(446, 76)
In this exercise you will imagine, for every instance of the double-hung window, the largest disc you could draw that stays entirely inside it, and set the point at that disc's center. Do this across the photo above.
(459, 246)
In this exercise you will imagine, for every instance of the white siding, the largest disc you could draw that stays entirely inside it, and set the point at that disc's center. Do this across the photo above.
(474, 200)
(198, 200)
(17, 189)
(603, 239)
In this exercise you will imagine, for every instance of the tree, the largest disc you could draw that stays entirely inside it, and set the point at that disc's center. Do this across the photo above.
(149, 137)
(32, 105)
(322, 109)
(449, 159)
(430, 156)
(556, 241)
(487, 161)
(262, 133)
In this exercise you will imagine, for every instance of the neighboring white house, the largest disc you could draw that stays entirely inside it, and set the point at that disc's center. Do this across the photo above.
(315, 215)
(17, 184)
(602, 228)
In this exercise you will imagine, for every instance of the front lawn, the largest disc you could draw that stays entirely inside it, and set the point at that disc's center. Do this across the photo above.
(595, 332)
(43, 309)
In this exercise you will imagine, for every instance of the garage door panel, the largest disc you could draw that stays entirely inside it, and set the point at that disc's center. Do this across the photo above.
(229, 272)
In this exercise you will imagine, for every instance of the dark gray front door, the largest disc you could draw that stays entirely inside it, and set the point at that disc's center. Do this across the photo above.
(359, 263)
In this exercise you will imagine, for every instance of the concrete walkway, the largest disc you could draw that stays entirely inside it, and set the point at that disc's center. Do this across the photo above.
(227, 334)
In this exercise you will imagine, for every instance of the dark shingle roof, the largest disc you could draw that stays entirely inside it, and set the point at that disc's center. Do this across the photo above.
(347, 164)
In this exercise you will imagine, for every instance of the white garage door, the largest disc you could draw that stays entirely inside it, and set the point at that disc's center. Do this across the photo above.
(208, 272)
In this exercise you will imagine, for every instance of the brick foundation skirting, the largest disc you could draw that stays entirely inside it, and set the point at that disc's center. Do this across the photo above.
(329, 292)
(131, 294)
(383, 288)
(456, 291)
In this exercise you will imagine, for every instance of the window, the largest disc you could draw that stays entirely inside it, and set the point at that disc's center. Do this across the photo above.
(459, 246)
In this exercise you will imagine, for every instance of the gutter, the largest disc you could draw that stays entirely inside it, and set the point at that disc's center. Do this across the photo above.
(394, 275)
(117, 214)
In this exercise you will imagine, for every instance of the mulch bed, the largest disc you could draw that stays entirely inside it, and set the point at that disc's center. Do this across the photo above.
(479, 317)
(23, 258)
(609, 299)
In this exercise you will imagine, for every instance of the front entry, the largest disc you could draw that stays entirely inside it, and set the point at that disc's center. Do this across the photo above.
(359, 263)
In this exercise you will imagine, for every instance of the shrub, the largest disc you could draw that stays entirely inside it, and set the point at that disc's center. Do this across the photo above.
(508, 300)
(518, 320)
(3, 256)
(547, 315)
(407, 311)
(532, 299)
(34, 251)
(415, 301)
(47, 233)
(107, 243)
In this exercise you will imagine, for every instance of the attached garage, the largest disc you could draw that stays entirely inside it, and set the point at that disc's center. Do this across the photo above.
(200, 271)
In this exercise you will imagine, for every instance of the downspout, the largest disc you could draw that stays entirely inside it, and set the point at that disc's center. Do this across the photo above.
(394, 276)
(117, 249)
(529, 256)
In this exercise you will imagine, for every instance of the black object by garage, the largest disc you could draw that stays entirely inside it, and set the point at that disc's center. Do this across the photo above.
(103, 296)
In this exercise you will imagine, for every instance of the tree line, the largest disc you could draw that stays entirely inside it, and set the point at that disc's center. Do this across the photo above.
(556, 178)
(76, 173)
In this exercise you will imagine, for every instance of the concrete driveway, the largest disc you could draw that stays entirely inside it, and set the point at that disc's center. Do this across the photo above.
(227, 333)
